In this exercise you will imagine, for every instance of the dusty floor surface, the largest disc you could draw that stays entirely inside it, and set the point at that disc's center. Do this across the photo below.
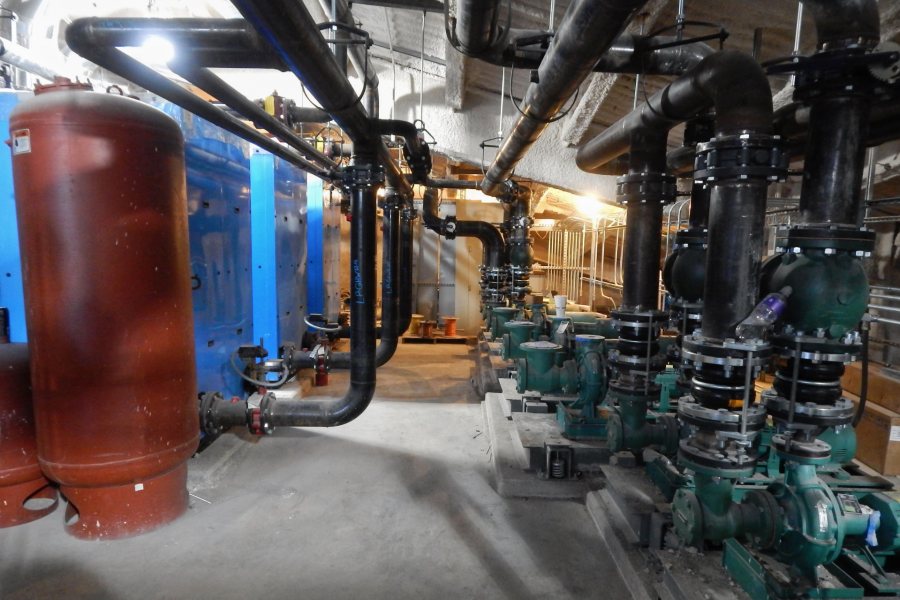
(397, 504)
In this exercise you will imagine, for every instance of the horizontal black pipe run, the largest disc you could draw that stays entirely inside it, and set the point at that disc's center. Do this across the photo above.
(288, 27)
(83, 37)
(585, 34)
(215, 86)
(715, 81)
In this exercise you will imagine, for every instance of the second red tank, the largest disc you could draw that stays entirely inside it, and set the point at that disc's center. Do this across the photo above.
(25, 494)
(100, 198)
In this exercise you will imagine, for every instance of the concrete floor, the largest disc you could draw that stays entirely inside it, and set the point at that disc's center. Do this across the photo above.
(397, 504)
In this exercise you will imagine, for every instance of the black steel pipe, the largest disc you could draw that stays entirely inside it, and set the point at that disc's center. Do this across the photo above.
(736, 86)
(416, 151)
(491, 238)
(453, 184)
(215, 86)
(585, 34)
(357, 54)
(407, 221)
(698, 218)
(474, 28)
(716, 81)
(390, 292)
(845, 23)
(308, 114)
(834, 160)
(291, 31)
(643, 225)
(87, 37)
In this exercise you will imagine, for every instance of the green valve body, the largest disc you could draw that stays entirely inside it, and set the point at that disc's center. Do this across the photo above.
(499, 316)
(539, 370)
(829, 291)
(517, 333)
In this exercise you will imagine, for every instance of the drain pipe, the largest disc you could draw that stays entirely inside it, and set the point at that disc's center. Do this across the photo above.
(288, 27)
(585, 34)
(219, 414)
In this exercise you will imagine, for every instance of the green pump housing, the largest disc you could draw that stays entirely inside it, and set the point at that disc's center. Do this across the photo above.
(517, 333)
(798, 518)
(581, 419)
(542, 370)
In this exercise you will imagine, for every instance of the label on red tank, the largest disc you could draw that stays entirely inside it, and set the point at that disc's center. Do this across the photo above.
(21, 141)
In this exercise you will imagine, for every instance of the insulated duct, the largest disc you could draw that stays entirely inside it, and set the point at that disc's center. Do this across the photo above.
(585, 34)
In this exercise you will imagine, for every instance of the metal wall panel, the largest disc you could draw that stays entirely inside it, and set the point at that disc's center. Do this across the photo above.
(11, 295)
(290, 250)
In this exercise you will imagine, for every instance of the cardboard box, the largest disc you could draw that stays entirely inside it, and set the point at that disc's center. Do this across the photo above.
(884, 388)
(878, 439)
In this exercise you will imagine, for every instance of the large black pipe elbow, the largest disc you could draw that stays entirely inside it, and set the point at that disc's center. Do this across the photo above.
(416, 151)
(491, 237)
(731, 81)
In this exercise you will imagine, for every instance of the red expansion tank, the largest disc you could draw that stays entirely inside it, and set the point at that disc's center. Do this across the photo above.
(25, 495)
(100, 199)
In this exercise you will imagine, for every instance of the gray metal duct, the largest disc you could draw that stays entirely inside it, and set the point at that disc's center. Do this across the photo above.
(585, 34)
(22, 58)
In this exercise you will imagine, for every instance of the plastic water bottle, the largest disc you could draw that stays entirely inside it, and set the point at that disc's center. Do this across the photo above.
(763, 315)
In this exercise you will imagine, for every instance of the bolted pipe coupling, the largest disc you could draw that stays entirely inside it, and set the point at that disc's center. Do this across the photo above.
(644, 188)
(742, 156)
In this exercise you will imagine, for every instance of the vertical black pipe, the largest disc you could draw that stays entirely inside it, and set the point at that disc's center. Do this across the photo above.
(737, 214)
(390, 281)
(407, 218)
(643, 225)
(834, 161)
(698, 217)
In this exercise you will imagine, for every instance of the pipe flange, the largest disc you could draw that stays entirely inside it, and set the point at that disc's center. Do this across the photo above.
(637, 319)
(702, 351)
(829, 238)
(720, 419)
(816, 349)
(687, 238)
(803, 451)
(733, 462)
(362, 176)
(809, 413)
(645, 187)
(742, 156)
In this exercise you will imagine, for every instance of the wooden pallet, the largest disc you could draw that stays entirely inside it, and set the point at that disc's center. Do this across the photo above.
(452, 339)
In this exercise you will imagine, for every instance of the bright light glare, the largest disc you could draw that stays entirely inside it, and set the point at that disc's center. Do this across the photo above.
(157, 50)
(588, 206)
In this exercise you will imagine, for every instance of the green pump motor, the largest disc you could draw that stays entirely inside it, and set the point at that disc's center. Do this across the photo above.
(581, 419)
(499, 316)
